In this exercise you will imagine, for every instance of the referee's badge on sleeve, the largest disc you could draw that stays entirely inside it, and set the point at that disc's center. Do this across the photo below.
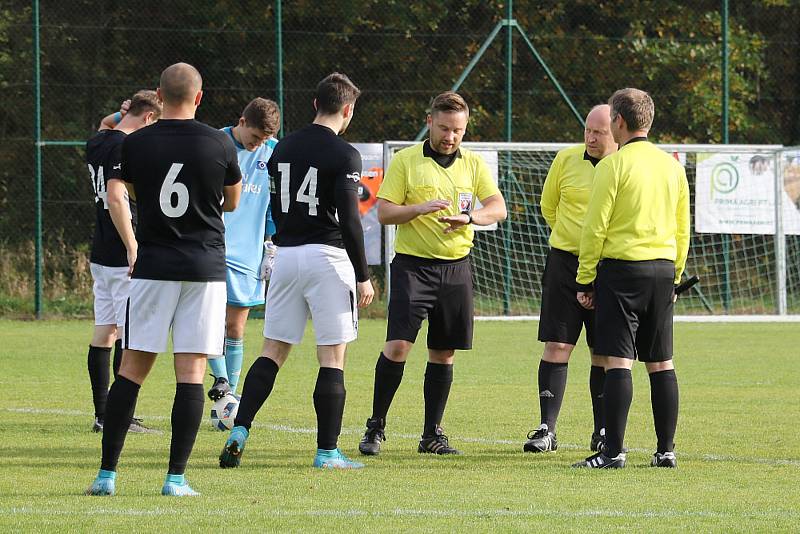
(465, 202)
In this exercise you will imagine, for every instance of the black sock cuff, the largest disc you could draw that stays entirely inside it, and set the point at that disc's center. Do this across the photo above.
(440, 372)
(598, 369)
(618, 374)
(386, 366)
(99, 350)
(127, 385)
(330, 374)
(553, 365)
(668, 375)
(189, 391)
(264, 364)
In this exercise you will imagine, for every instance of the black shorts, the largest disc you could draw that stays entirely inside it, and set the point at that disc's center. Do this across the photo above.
(562, 317)
(633, 309)
(436, 289)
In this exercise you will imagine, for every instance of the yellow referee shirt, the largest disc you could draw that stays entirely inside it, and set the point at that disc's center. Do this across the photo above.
(565, 197)
(638, 210)
(413, 178)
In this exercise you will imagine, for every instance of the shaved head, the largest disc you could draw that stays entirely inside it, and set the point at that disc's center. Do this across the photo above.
(180, 83)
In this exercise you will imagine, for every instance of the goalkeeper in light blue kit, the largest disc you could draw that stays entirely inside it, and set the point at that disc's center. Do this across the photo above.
(248, 251)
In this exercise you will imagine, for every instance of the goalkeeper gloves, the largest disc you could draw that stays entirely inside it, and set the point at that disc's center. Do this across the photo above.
(267, 260)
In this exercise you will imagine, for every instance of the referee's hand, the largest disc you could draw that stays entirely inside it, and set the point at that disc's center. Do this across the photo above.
(365, 293)
(454, 222)
(586, 299)
(432, 206)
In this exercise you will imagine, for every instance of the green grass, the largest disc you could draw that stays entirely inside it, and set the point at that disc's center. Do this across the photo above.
(737, 444)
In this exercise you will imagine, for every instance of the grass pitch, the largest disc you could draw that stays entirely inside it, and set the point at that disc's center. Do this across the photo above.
(737, 444)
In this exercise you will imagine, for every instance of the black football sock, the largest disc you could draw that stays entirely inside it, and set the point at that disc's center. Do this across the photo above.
(187, 411)
(438, 379)
(617, 394)
(552, 383)
(117, 356)
(329, 396)
(597, 379)
(97, 362)
(664, 398)
(257, 386)
(388, 375)
(119, 410)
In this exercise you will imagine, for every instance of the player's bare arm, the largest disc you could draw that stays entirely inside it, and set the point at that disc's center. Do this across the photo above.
(353, 237)
(493, 210)
(391, 213)
(119, 209)
(109, 122)
(231, 196)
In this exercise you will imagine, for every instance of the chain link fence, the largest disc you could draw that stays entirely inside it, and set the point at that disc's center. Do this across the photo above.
(94, 54)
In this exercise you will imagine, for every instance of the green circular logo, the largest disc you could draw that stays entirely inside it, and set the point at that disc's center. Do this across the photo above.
(724, 177)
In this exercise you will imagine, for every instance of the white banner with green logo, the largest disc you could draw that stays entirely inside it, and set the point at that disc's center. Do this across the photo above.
(736, 193)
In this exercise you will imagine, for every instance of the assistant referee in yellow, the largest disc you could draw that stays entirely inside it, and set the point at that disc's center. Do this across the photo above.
(633, 250)
(429, 192)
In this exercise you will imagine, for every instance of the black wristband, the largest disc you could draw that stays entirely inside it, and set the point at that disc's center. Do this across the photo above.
(585, 288)
(470, 218)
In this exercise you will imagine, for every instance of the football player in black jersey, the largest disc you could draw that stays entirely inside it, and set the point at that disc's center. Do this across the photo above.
(108, 258)
(183, 174)
(320, 268)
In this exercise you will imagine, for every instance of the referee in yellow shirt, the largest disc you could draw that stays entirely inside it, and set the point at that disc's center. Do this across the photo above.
(565, 197)
(429, 192)
(633, 250)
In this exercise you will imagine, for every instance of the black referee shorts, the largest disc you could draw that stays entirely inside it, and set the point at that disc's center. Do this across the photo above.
(562, 317)
(633, 309)
(437, 289)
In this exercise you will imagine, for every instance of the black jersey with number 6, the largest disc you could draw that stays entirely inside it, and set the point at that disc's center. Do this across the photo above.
(103, 153)
(178, 169)
(314, 177)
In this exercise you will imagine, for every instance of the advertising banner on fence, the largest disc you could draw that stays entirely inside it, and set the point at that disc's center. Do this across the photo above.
(371, 179)
(735, 194)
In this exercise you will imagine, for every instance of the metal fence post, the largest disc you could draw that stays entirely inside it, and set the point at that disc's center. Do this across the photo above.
(780, 236)
(37, 126)
(279, 61)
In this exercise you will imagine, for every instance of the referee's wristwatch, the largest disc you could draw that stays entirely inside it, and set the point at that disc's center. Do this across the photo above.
(469, 216)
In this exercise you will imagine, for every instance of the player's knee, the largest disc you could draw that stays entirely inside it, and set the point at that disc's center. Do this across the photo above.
(655, 367)
(234, 329)
(397, 350)
(441, 356)
(555, 352)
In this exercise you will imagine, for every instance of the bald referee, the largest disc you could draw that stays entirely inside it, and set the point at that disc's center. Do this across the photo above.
(429, 192)
(633, 250)
(565, 197)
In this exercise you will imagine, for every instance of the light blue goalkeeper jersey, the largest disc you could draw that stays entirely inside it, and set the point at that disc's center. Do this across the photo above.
(251, 221)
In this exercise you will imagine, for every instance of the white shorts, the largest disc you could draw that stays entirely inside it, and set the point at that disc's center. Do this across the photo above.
(111, 285)
(194, 310)
(315, 280)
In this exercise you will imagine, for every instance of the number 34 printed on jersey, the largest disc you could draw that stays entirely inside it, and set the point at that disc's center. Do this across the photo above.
(307, 193)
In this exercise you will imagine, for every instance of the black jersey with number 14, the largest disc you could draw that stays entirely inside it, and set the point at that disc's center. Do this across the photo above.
(314, 177)
(103, 153)
(178, 169)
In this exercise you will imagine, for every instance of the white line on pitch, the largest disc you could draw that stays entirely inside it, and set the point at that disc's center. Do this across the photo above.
(482, 441)
(399, 512)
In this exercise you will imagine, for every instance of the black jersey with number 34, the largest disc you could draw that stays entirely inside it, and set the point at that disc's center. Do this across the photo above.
(314, 177)
(178, 169)
(103, 153)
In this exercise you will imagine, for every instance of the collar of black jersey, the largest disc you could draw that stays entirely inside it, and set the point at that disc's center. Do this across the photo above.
(635, 140)
(591, 159)
(443, 160)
